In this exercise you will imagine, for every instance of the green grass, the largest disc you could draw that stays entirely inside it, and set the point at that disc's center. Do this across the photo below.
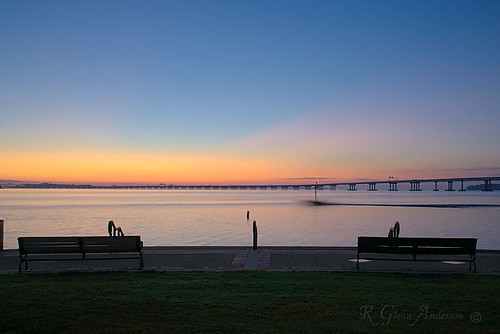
(255, 302)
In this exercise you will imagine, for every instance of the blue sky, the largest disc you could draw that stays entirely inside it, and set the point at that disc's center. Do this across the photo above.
(272, 89)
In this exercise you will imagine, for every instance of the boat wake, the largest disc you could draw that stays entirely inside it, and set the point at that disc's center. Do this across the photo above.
(420, 205)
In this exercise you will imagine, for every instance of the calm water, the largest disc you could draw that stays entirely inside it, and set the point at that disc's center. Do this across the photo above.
(218, 217)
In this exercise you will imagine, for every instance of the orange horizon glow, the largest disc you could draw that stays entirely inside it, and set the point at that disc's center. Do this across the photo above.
(183, 169)
(84, 168)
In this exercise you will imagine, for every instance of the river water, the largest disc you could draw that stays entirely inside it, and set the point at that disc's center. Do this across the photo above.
(219, 217)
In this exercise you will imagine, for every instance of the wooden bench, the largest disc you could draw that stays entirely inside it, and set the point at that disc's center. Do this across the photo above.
(427, 247)
(79, 248)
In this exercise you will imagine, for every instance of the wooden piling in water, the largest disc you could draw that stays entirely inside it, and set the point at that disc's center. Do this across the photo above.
(1, 235)
(254, 235)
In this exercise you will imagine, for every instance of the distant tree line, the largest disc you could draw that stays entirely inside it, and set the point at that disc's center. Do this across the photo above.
(53, 186)
(494, 186)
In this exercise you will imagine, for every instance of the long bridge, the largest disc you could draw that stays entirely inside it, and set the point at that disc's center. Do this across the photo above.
(415, 183)
(391, 183)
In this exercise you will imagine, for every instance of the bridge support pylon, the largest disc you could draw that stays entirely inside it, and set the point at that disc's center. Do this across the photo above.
(393, 186)
(487, 185)
(415, 186)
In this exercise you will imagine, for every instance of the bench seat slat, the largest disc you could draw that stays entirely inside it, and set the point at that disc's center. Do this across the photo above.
(388, 250)
(49, 245)
(51, 249)
(444, 250)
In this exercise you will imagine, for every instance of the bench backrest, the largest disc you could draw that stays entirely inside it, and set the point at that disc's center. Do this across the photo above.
(459, 245)
(64, 245)
(49, 245)
(111, 244)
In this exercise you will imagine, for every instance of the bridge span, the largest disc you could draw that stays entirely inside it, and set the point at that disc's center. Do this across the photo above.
(392, 185)
(415, 184)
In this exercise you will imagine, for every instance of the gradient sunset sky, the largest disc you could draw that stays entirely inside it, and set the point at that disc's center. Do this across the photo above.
(186, 92)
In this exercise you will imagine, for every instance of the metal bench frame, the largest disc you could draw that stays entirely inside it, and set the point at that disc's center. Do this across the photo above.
(78, 248)
(418, 246)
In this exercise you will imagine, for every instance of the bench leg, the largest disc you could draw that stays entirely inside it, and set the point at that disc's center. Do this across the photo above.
(472, 262)
(25, 265)
(23, 259)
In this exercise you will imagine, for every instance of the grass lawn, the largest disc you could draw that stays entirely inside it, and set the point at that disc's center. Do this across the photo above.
(258, 302)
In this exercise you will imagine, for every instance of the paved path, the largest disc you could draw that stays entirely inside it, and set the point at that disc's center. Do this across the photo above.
(244, 258)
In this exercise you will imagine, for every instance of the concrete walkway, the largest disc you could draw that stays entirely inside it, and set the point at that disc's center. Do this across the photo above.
(266, 258)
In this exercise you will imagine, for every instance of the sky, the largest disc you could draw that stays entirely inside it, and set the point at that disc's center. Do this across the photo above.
(248, 92)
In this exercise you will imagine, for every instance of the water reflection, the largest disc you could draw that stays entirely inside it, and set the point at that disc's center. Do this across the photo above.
(217, 218)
